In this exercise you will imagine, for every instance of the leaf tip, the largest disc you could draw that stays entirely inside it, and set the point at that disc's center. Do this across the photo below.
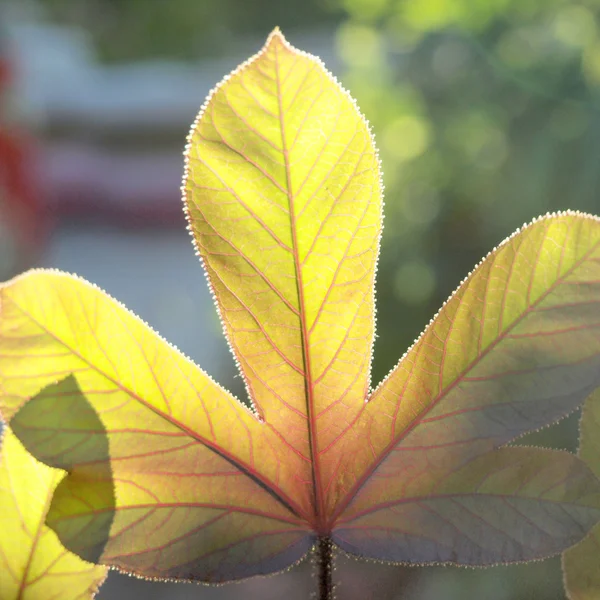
(276, 34)
(276, 39)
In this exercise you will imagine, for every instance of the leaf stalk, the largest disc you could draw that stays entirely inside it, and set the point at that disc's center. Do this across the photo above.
(324, 564)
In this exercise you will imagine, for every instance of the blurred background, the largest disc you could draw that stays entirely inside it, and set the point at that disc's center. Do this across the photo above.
(486, 113)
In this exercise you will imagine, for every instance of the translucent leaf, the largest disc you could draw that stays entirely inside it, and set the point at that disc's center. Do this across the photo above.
(512, 504)
(169, 476)
(581, 564)
(284, 200)
(33, 563)
(514, 349)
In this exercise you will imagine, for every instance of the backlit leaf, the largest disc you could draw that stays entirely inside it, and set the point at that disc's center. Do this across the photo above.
(581, 564)
(515, 348)
(284, 200)
(512, 504)
(170, 476)
(195, 476)
(33, 563)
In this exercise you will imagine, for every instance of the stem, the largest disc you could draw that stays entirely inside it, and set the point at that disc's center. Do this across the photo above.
(324, 560)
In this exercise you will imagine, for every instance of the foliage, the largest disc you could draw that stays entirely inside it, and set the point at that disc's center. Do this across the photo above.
(33, 564)
(581, 564)
(170, 476)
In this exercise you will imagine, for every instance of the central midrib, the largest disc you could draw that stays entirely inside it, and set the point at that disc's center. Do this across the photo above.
(308, 382)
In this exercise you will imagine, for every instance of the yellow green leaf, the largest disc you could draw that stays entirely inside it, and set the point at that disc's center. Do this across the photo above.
(170, 476)
(516, 503)
(581, 564)
(33, 563)
(196, 476)
(516, 347)
(284, 200)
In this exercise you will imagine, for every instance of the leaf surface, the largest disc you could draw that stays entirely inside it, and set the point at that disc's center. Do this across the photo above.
(284, 200)
(515, 348)
(512, 504)
(33, 563)
(186, 462)
(581, 564)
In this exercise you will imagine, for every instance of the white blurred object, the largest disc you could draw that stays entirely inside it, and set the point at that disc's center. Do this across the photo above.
(113, 135)
(63, 79)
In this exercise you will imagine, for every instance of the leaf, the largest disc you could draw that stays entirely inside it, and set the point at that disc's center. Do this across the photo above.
(516, 347)
(512, 504)
(283, 196)
(581, 564)
(170, 476)
(33, 564)
(196, 477)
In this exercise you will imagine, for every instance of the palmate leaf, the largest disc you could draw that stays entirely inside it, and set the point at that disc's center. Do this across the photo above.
(170, 476)
(283, 195)
(581, 564)
(515, 348)
(189, 467)
(33, 563)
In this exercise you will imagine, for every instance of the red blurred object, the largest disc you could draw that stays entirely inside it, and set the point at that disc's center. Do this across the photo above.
(135, 189)
(19, 198)
(19, 203)
(4, 74)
